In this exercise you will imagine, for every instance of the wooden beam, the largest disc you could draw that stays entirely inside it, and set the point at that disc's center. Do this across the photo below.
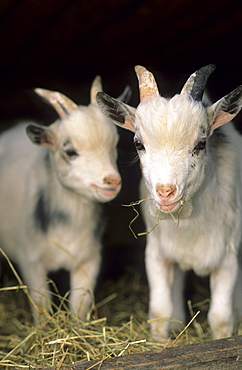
(217, 354)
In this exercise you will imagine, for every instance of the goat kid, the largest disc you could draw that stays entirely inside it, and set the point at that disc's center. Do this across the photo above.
(51, 194)
(192, 171)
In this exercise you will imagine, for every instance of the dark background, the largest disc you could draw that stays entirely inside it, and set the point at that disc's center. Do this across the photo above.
(61, 45)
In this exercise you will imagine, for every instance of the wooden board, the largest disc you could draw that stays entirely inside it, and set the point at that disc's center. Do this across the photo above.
(218, 354)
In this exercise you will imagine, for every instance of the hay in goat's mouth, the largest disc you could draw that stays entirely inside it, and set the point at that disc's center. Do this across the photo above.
(157, 217)
(118, 326)
(133, 204)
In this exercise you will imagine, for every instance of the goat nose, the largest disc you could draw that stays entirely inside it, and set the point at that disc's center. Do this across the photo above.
(112, 180)
(166, 191)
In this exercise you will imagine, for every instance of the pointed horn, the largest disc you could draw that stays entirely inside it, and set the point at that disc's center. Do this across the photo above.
(96, 87)
(126, 94)
(62, 104)
(147, 85)
(195, 85)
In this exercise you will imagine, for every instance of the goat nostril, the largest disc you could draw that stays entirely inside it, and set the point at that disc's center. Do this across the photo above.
(166, 191)
(112, 181)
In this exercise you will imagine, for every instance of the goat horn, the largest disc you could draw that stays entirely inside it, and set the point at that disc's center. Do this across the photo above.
(96, 87)
(147, 85)
(196, 83)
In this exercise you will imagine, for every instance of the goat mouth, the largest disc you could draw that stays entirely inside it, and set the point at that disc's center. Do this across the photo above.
(170, 207)
(107, 192)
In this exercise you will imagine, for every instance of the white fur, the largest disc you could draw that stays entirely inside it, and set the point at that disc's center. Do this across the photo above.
(196, 194)
(206, 242)
(73, 188)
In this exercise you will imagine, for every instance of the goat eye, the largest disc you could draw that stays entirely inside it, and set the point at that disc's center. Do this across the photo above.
(200, 146)
(71, 152)
(138, 145)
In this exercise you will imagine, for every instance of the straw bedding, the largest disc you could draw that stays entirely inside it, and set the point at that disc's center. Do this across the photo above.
(117, 326)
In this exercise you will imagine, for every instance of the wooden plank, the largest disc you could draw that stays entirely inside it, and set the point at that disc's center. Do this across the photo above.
(218, 354)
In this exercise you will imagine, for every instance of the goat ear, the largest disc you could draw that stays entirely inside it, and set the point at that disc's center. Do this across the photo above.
(61, 103)
(40, 135)
(120, 113)
(225, 109)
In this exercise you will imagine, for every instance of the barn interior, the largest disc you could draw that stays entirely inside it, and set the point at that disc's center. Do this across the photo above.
(62, 45)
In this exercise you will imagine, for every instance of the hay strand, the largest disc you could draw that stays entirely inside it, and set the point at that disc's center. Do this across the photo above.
(158, 215)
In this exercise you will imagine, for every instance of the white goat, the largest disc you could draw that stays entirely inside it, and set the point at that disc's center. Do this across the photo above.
(50, 195)
(192, 170)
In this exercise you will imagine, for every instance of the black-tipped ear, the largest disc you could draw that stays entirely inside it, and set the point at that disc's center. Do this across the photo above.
(232, 102)
(225, 109)
(120, 113)
(41, 135)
